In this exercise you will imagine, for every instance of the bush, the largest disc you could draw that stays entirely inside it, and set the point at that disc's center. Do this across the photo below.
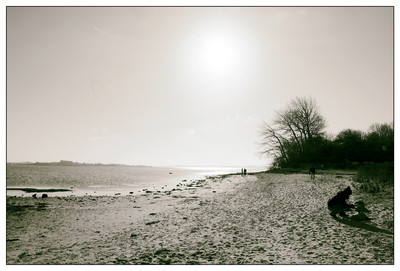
(374, 178)
(371, 186)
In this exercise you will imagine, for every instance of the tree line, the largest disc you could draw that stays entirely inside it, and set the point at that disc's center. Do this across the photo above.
(296, 137)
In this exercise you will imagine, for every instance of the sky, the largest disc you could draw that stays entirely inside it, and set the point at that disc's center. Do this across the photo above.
(180, 86)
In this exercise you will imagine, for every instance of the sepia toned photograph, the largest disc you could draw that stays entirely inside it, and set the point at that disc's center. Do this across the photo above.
(199, 135)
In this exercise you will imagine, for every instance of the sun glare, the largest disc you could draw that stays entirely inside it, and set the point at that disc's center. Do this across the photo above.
(217, 59)
(215, 50)
(218, 55)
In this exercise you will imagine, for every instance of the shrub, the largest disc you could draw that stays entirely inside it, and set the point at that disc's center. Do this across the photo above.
(374, 178)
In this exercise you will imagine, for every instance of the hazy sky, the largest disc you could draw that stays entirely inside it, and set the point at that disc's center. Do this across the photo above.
(186, 86)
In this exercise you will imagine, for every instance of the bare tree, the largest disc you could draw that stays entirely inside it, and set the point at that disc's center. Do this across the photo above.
(273, 143)
(292, 129)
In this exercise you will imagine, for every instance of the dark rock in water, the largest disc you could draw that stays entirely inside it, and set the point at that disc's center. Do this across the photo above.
(44, 196)
(34, 196)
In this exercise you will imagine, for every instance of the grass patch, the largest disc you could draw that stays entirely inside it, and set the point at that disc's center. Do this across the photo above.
(376, 178)
(318, 171)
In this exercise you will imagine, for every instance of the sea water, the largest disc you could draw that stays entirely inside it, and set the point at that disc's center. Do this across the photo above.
(105, 179)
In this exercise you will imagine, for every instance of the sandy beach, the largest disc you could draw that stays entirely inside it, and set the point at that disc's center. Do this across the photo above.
(257, 219)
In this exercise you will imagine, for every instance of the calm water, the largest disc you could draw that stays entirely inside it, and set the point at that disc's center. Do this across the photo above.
(104, 180)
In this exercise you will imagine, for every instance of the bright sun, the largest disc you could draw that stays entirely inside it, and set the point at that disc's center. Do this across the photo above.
(214, 50)
(217, 59)
(218, 55)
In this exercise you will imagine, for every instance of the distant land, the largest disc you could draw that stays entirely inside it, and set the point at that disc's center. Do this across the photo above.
(70, 163)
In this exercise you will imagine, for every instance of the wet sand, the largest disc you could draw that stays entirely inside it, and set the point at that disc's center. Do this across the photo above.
(257, 219)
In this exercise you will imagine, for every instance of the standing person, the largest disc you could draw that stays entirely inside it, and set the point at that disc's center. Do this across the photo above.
(312, 173)
(244, 172)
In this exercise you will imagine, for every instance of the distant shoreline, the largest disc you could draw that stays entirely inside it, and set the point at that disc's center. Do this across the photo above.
(69, 163)
(72, 163)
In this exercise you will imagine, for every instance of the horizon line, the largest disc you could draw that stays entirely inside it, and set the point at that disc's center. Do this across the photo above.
(66, 162)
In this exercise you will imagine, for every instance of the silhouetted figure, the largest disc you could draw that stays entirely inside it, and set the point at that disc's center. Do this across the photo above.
(359, 206)
(244, 172)
(338, 204)
(312, 173)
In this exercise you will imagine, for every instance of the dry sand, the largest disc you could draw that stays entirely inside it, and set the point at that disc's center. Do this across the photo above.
(260, 219)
